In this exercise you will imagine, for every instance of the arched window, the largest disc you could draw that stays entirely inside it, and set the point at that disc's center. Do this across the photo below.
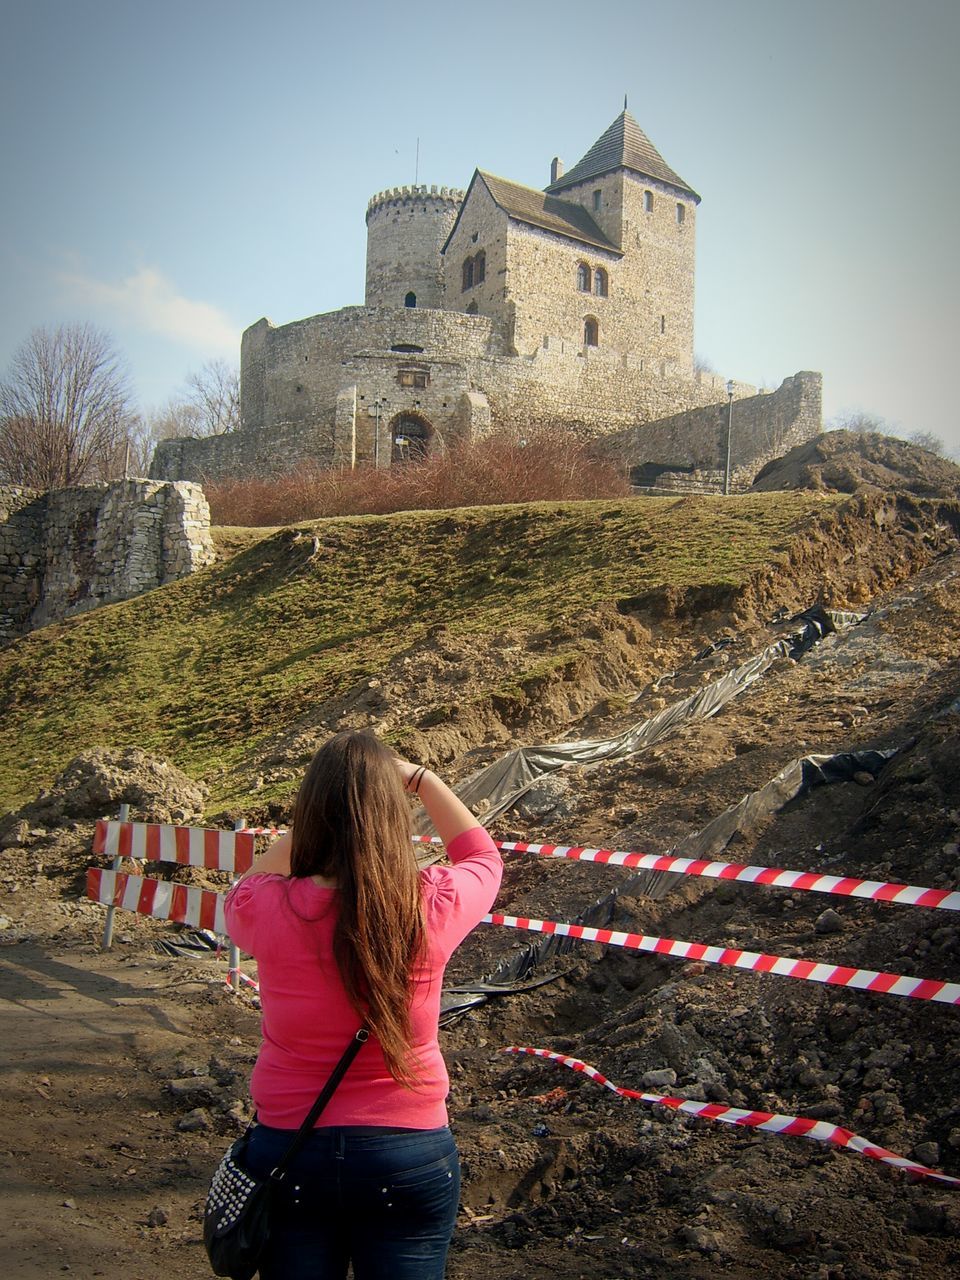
(583, 278)
(410, 300)
(648, 202)
(600, 282)
(591, 332)
(468, 273)
(480, 268)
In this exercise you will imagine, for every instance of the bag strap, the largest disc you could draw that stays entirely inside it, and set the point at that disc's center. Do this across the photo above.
(323, 1097)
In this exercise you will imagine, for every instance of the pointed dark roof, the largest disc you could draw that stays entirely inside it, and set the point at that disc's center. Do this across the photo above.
(538, 209)
(623, 146)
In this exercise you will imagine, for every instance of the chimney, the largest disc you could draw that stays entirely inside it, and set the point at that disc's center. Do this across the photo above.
(556, 170)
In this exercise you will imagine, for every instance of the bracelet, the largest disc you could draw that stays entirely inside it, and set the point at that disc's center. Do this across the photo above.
(414, 783)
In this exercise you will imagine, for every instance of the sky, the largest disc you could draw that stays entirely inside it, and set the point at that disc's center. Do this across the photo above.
(174, 171)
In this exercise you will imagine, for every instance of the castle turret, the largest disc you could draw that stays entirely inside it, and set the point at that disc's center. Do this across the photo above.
(406, 229)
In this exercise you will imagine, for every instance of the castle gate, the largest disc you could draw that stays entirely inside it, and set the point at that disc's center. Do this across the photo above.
(410, 436)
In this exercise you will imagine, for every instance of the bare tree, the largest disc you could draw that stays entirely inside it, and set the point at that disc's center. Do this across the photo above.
(859, 422)
(927, 440)
(64, 409)
(214, 391)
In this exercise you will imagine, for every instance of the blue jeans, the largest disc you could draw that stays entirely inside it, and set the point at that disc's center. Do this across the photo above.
(385, 1200)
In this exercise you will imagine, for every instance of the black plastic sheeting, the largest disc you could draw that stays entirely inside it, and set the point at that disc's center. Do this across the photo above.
(512, 975)
(496, 788)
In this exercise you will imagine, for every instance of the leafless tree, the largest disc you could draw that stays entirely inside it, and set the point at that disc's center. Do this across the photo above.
(214, 392)
(927, 440)
(64, 409)
(859, 422)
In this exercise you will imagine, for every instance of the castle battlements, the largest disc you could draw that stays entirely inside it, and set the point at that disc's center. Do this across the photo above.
(411, 195)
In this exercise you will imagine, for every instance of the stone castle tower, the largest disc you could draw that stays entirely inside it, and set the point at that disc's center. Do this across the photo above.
(406, 231)
(499, 307)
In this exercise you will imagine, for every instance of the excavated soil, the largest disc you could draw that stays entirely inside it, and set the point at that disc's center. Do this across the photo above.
(125, 1071)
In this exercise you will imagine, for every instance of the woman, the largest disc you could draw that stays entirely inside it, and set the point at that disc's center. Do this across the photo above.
(347, 931)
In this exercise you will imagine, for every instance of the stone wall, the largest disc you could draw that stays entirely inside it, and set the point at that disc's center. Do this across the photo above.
(70, 550)
(691, 446)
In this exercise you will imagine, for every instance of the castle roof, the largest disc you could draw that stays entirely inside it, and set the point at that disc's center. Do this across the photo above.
(538, 209)
(623, 146)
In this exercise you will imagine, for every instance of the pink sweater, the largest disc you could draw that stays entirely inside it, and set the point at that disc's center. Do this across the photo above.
(287, 924)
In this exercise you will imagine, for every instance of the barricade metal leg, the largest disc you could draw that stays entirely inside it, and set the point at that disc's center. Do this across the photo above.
(112, 911)
(234, 949)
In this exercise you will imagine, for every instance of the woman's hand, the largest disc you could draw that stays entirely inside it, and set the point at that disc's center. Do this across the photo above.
(407, 770)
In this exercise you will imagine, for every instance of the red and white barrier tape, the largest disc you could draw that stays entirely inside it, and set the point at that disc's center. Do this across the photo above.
(233, 851)
(893, 984)
(808, 881)
(186, 904)
(242, 977)
(768, 1121)
(190, 846)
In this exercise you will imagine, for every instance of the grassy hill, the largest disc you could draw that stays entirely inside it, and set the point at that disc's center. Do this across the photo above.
(212, 669)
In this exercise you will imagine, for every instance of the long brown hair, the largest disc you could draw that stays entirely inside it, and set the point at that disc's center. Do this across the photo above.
(352, 824)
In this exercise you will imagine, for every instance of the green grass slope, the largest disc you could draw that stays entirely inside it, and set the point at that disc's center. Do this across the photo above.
(205, 670)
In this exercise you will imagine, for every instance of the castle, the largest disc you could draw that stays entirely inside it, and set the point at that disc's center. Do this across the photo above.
(502, 306)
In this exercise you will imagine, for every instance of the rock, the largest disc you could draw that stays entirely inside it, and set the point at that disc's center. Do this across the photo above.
(193, 1087)
(927, 1153)
(864, 779)
(157, 1217)
(662, 1078)
(702, 1238)
(829, 922)
(196, 1121)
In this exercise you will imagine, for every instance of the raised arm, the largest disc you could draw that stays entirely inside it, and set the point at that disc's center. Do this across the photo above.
(275, 860)
(447, 812)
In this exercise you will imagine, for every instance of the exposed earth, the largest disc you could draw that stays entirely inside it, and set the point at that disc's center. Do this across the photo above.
(125, 1071)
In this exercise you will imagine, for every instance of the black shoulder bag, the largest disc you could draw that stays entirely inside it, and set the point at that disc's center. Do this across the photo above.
(237, 1216)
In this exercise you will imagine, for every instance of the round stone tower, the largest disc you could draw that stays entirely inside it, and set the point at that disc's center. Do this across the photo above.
(406, 229)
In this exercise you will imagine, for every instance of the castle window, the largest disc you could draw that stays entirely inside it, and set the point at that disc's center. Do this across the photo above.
(583, 278)
(407, 347)
(663, 324)
(413, 377)
(648, 202)
(410, 300)
(681, 212)
(480, 268)
(468, 274)
(597, 196)
(600, 282)
(591, 332)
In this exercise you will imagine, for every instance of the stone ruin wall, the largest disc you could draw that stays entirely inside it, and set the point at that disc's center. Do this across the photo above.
(70, 550)
(688, 450)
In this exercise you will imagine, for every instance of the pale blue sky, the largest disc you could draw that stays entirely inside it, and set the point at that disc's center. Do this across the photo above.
(175, 170)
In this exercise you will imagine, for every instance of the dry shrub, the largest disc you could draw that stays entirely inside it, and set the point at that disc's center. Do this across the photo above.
(501, 468)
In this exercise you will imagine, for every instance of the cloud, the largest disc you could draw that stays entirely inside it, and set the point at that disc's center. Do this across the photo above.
(148, 300)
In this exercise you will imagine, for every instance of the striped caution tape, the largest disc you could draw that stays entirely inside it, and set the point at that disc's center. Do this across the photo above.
(767, 1121)
(233, 851)
(241, 977)
(160, 899)
(190, 846)
(808, 881)
(893, 984)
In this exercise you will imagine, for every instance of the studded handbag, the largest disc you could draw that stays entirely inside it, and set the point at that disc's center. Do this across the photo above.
(237, 1215)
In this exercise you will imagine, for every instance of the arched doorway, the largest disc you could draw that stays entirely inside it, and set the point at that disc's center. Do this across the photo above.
(410, 438)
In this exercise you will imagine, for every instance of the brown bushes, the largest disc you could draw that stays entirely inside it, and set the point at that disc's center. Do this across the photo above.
(498, 469)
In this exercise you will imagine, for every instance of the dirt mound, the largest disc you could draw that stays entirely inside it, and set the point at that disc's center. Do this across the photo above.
(96, 783)
(848, 462)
